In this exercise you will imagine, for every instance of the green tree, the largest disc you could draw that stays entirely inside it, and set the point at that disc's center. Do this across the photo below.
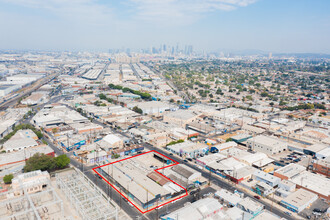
(219, 91)
(8, 178)
(102, 96)
(264, 94)
(62, 161)
(137, 110)
(54, 130)
(229, 139)
(271, 104)
(39, 134)
(282, 103)
(40, 162)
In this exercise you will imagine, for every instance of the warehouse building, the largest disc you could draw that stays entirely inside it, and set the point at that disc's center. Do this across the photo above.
(266, 178)
(5, 89)
(180, 117)
(250, 206)
(24, 78)
(322, 166)
(299, 200)
(21, 140)
(199, 210)
(154, 107)
(289, 171)
(267, 145)
(188, 149)
(228, 197)
(315, 183)
(131, 177)
(16, 157)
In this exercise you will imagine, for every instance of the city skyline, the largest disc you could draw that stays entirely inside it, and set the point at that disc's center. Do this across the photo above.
(270, 26)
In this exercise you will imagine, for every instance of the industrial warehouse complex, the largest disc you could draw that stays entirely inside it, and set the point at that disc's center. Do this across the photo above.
(148, 180)
(120, 136)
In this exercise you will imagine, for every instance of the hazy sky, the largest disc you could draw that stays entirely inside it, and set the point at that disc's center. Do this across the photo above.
(269, 25)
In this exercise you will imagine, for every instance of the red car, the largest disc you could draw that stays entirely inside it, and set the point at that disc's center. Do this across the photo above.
(257, 197)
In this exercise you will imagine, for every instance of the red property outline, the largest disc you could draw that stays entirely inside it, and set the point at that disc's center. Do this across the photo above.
(156, 170)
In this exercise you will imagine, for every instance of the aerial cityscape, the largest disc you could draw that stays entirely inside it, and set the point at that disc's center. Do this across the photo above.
(164, 110)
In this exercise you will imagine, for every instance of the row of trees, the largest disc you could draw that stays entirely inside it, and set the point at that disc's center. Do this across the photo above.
(175, 142)
(144, 95)
(22, 127)
(104, 97)
(306, 106)
(46, 162)
(41, 162)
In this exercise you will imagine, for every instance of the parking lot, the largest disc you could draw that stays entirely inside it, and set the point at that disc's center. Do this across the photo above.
(318, 204)
(288, 157)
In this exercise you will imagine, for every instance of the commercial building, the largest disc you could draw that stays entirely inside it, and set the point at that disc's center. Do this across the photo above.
(285, 188)
(257, 159)
(240, 138)
(262, 188)
(315, 183)
(250, 206)
(24, 78)
(131, 177)
(199, 210)
(155, 107)
(267, 145)
(230, 198)
(5, 89)
(208, 159)
(21, 140)
(180, 117)
(299, 200)
(289, 171)
(322, 154)
(267, 215)
(316, 149)
(113, 142)
(202, 127)
(92, 74)
(266, 178)
(184, 175)
(232, 169)
(16, 157)
(36, 98)
(322, 166)
(188, 149)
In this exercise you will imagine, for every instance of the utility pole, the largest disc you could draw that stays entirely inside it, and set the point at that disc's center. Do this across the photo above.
(108, 181)
(271, 208)
(120, 198)
(112, 178)
(147, 200)
(157, 210)
(210, 176)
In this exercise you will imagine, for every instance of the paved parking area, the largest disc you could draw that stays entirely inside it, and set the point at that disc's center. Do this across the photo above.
(319, 204)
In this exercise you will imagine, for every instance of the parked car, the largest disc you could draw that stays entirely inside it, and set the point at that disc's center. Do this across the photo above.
(257, 197)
